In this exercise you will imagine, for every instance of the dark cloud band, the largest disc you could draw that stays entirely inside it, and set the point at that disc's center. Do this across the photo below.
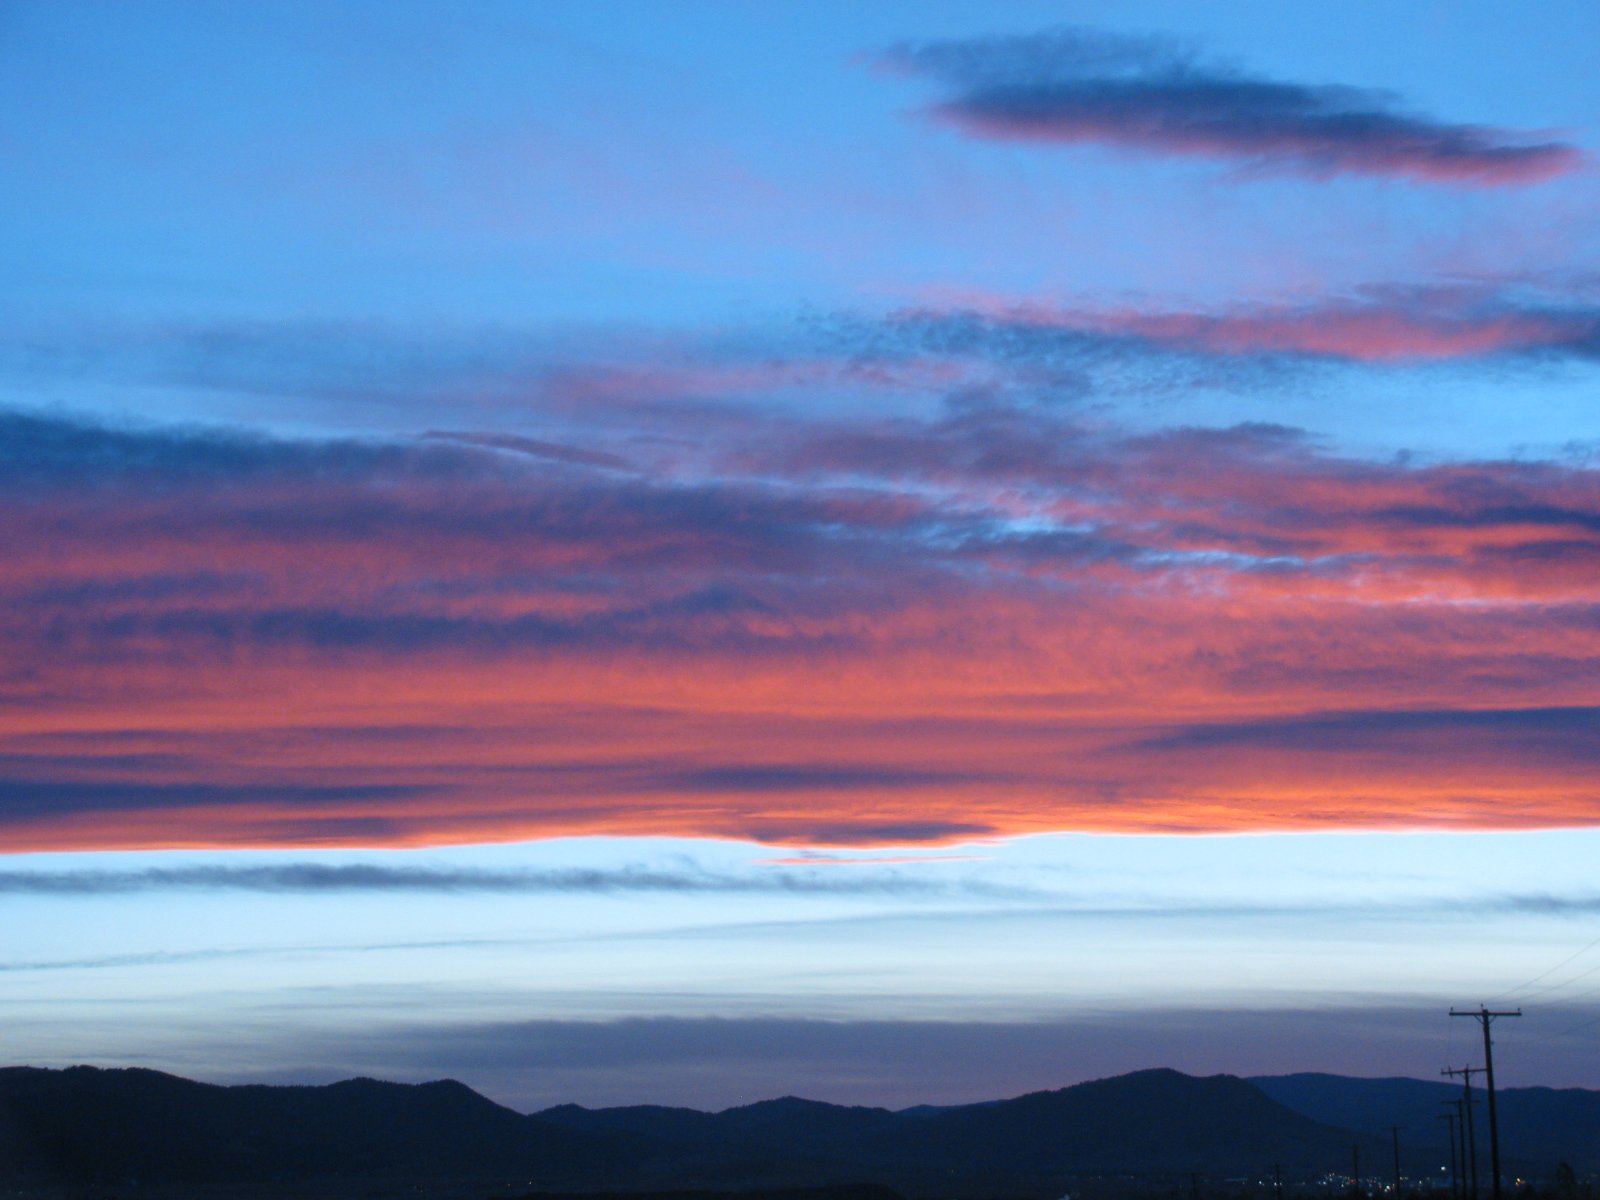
(1072, 86)
(317, 878)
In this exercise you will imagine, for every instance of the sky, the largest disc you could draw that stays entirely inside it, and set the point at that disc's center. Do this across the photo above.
(687, 552)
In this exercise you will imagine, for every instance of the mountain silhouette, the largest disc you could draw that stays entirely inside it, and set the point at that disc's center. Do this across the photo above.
(788, 1122)
(1539, 1127)
(88, 1126)
(1150, 1121)
(85, 1124)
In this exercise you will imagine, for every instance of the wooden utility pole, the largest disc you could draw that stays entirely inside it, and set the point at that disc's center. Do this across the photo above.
(1394, 1133)
(1486, 1017)
(1470, 1137)
(1455, 1157)
(1355, 1169)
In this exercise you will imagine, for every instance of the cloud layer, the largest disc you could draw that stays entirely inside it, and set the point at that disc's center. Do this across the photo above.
(715, 1063)
(1396, 327)
(997, 619)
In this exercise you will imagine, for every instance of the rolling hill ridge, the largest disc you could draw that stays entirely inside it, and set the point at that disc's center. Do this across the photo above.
(85, 1125)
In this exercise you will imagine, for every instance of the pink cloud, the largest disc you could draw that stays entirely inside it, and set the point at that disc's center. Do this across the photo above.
(1419, 328)
(1019, 626)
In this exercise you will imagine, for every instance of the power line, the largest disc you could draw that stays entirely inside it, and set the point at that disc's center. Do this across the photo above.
(1555, 987)
(1544, 974)
(1584, 1024)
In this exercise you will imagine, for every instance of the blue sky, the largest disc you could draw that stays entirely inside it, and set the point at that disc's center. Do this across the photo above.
(681, 552)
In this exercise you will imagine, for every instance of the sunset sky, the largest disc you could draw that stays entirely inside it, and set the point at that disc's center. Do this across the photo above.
(897, 552)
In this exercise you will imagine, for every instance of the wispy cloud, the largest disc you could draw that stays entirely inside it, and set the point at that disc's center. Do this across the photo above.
(532, 447)
(617, 405)
(1386, 326)
(23, 798)
(814, 858)
(1072, 86)
(1572, 734)
(304, 877)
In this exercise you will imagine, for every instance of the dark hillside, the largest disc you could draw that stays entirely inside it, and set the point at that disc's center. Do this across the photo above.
(86, 1125)
(89, 1127)
(1539, 1127)
(1150, 1121)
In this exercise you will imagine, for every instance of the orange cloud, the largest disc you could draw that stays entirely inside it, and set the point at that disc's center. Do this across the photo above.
(923, 634)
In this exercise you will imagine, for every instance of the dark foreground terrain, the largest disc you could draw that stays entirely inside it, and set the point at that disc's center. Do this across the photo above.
(91, 1132)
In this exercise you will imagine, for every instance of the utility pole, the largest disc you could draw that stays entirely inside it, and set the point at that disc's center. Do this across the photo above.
(1455, 1165)
(1277, 1181)
(1355, 1169)
(1394, 1133)
(1484, 1016)
(1470, 1138)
